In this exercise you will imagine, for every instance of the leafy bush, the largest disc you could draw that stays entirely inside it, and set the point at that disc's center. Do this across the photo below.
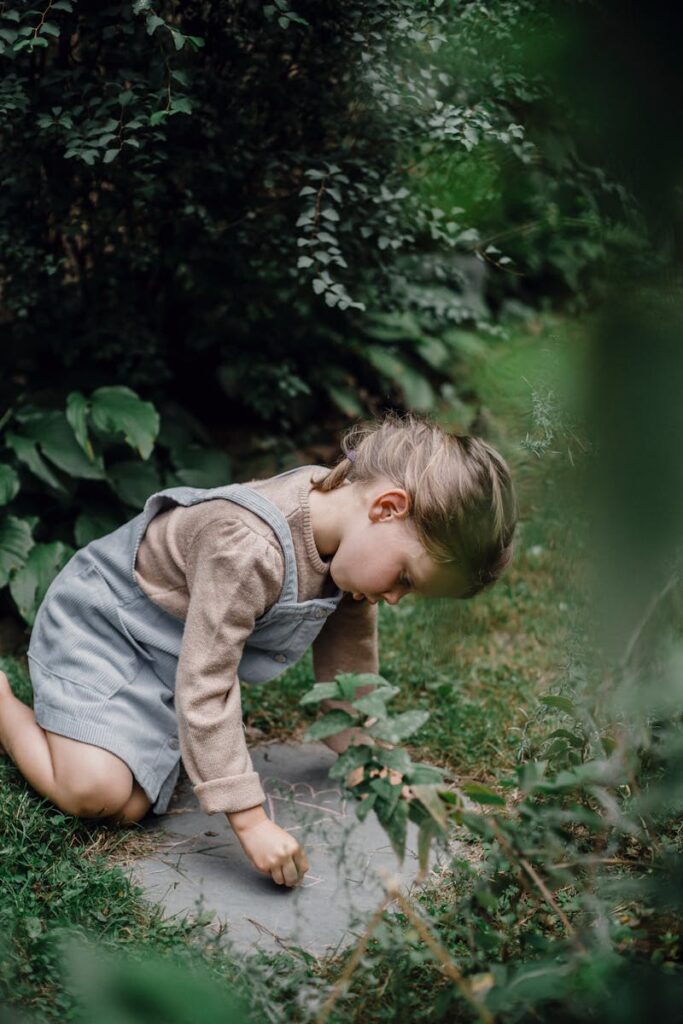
(68, 476)
(355, 165)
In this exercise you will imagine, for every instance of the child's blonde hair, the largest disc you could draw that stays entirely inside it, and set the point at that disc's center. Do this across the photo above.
(462, 501)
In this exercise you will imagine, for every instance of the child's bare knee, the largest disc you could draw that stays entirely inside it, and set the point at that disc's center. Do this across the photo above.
(93, 797)
(136, 807)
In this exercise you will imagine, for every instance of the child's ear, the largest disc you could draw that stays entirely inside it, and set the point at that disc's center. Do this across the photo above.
(391, 504)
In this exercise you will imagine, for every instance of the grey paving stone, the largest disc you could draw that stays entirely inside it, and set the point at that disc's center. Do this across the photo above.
(201, 865)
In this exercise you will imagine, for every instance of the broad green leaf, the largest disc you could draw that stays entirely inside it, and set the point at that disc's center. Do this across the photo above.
(27, 452)
(29, 584)
(394, 821)
(77, 407)
(396, 758)
(321, 691)
(482, 794)
(374, 704)
(428, 831)
(120, 410)
(387, 791)
(331, 723)
(363, 807)
(466, 344)
(134, 481)
(416, 389)
(574, 739)
(396, 729)
(425, 775)
(9, 483)
(431, 801)
(561, 703)
(434, 352)
(91, 527)
(349, 682)
(353, 757)
(58, 442)
(203, 467)
(16, 540)
(346, 399)
(393, 327)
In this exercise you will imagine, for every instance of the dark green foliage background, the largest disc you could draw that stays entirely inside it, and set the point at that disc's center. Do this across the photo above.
(257, 211)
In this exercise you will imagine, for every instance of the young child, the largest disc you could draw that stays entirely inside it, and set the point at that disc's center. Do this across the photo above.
(139, 646)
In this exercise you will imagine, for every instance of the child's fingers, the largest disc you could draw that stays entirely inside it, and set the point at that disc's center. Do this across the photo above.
(301, 861)
(286, 873)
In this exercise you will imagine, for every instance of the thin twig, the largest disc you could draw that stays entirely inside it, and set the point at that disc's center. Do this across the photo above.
(550, 899)
(449, 967)
(344, 977)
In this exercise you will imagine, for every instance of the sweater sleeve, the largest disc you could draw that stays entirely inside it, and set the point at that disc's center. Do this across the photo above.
(348, 641)
(234, 575)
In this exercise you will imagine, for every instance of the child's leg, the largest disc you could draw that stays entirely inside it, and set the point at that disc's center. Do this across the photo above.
(80, 778)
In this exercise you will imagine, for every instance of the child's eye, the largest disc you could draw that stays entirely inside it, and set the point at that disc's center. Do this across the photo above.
(405, 582)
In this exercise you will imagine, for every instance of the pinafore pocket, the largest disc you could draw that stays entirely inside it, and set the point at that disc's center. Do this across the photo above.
(77, 635)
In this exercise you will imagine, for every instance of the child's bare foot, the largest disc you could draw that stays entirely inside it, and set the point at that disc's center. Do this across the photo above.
(5, 691)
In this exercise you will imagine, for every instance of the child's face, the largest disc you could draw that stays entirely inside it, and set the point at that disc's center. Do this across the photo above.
(379, 556)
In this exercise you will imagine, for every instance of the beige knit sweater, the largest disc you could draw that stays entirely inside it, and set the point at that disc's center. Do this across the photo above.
(220, 567)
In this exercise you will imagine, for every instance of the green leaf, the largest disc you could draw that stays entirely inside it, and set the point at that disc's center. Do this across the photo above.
(29, 584)
(57, 440)
(27, 452)
(431, 801)
(574, 739)
(396, 758)
(396, 729)
(374, 704)
(394, 821)
(91, 527)
(353, 757)
(331, 723)
(346, 399)
(134, 481)
(321, 691)
(202, 467)
(482, 794)
(153, 22)
(429, 829)
(157, 117)
(424, 775)
(561, 703)
(388, 794)
(110, 155)
(349, 682)
(363, 807)
(120, 410)
(16, 541)
(77, 407)
(181, 105)
(416, 389)
(9, 483)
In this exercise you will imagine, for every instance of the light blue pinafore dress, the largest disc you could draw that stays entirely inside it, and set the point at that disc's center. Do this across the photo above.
(103, 656)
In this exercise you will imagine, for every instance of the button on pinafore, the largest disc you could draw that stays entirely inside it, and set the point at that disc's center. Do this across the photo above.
(103, 656)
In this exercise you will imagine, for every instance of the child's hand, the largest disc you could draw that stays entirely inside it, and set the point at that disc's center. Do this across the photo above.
(274, 852)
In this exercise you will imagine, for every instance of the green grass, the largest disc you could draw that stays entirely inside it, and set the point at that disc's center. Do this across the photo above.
(477, 666)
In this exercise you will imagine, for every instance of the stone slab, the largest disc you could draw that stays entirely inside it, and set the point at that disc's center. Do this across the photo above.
(201, 865)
